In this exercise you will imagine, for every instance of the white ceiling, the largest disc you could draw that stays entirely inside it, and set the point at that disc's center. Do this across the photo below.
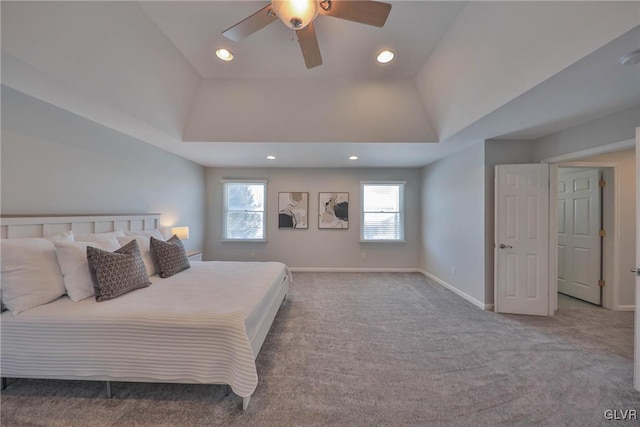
(464, 72)
(348, 48)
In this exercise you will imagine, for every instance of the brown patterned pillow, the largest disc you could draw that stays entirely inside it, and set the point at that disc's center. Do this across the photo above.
(116, 273)
(171, 256)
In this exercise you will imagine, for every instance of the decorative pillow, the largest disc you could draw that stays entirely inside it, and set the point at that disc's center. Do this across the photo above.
(116, 273)
(171, 256)
(94, 237)
(147, 233)
(72, 257)
(144, 244)
(30, 275)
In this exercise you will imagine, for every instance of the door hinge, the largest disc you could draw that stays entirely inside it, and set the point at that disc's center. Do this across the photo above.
(602, 183)
(602, 233)
(601, 283)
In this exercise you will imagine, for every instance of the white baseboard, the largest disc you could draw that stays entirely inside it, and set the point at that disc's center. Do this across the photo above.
(353, 270)
(625, 308)
(457, 291)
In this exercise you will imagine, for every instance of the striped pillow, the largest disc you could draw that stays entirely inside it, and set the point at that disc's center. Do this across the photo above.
(116, 273)
(171, 256)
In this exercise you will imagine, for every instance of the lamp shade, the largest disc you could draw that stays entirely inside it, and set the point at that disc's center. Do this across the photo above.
(181, 232)
(296, 14)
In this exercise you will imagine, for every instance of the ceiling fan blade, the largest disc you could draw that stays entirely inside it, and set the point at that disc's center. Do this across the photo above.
(309, 45)
(364, 11)
(250, 25)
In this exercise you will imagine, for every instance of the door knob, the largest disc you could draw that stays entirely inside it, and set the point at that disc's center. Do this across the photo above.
(636, 271)
(503, 246)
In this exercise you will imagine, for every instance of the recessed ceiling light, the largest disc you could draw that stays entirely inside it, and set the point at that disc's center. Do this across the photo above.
(353, 157)
(271, 157)
(224, 54)
(385, 56)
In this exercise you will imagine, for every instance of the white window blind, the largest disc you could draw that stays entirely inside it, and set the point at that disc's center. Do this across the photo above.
(244, 210)
(382, 211)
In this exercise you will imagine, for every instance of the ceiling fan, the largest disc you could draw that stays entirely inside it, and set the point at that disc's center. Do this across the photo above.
(300, 14)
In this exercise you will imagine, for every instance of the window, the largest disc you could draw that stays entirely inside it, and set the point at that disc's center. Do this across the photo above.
(382, 211)
(244, 210)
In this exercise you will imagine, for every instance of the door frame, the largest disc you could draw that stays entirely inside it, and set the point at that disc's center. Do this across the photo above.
(636, 352)
(610, 295)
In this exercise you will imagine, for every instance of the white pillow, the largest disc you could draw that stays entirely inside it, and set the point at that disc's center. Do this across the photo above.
(157, 234)
(66, 236)
(72, 257)
(30, 275)
(144, 243)
(94, 237)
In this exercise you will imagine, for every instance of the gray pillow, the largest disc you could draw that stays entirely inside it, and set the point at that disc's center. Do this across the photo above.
(116, 273)
(170, 255)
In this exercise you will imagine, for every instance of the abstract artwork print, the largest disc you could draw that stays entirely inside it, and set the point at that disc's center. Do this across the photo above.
(293, 210)
(333, 210)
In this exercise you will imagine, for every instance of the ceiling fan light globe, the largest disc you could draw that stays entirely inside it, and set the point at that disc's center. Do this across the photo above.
(296, 14)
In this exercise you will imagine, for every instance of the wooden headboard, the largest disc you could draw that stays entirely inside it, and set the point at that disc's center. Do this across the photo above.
(15, 226)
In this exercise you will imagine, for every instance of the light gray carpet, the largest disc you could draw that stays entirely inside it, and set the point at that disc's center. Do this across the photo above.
(381, 349)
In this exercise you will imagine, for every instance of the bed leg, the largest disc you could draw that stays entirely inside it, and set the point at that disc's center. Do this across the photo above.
(4, 383)
(108, 389)
(245, 402)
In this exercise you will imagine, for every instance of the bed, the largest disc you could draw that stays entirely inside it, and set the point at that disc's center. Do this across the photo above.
(205, 324)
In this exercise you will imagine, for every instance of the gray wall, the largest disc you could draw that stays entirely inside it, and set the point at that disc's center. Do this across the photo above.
(453, 220)
(56, 162)
(314, 248)
(458, 215)
(458, 202)
(606, 130)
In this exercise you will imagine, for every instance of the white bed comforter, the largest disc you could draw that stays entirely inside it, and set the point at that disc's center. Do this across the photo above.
(194, 327)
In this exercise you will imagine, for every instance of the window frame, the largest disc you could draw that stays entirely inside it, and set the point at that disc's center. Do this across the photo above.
(401, 204)
(225, 209)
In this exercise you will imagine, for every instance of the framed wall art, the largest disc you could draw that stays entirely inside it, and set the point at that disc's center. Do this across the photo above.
(293, 210)
(333, 211)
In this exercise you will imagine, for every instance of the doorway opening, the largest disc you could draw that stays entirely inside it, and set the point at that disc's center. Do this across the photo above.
(618, 166)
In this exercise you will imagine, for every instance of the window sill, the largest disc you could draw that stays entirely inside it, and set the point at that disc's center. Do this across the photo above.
(383, 241)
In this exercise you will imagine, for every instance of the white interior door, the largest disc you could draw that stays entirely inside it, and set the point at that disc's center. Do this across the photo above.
(579, 241)
(522, 239)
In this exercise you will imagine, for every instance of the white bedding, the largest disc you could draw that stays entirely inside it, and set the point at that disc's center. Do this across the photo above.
(193, 327)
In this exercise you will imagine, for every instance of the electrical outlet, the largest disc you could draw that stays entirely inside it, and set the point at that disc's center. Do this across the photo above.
(253, 255)
(364, 255)
(453, 271)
